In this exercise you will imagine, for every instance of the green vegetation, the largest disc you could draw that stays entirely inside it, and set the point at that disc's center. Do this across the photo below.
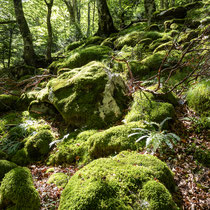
(5, 167)
(124, 181)
(17, 191)
(59, 179)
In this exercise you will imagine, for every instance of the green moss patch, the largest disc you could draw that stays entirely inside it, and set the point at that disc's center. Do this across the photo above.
(17, 191)
(8, 102)
(198, 97)
(146, 107)
(5, 167)
(59, 179)
(126, 181)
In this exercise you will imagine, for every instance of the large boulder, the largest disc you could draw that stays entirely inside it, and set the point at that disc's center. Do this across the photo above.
(88, 96)
(17, 191)
(127, 181)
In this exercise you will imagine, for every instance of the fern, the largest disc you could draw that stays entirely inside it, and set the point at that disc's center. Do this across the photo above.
(155, 136)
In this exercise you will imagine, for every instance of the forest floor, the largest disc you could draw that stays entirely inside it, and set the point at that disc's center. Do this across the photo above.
(191, 176)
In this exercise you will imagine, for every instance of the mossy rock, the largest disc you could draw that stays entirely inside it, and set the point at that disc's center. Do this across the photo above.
(74, 45)
(94, 40)
(89, 96)
(59, 179)
(8, 102)
(113, 141)
(165, 46)
(109, 42)
(130, 39)
(187, 36)
(21, 157)
(153, 27)
(3, 155)
(85, 55)
(172, 13)
(5, 167)
(168, 23)
(126, 181)
(198, 97)
(18, 192)
(147, 107)
(37, 146)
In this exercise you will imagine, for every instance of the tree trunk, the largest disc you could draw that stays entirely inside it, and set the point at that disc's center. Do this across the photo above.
(72, 12)
(88, 20)
(49, 29)
(162, 4)
(105, 22)
(10, 46)
(29, 54)
(94, 10)
(172, 3)
(150, 8)
(166, 4)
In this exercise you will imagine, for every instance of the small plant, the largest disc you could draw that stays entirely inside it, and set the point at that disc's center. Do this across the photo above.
(155, 136)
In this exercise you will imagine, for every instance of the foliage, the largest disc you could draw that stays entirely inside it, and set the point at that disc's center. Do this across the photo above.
(156, 137)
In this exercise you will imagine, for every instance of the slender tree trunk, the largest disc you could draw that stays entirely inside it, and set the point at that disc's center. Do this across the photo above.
(166, 4)
(88, 20)
(49, 29)
(29, 54)
(94, 11)
(162, 4)
(150, 8)
(72, 13)
(10, 46)
(105, 22)
(172, 3)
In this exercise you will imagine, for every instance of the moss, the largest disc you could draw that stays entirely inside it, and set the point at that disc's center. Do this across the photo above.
(130, 39)
(153, 27)
(198, 97)
(138, 69)
(37, 146)
(168, 23)
(157, 196)
(165, 46)
(59, 179)
(109, 42)
(94, 40)
(3, 155)
(5, 167)
(146, 107)
(74, 45)
(21, 157)
(187, 36)
(116, 183)
(72, 149)
(17, 191)
(8, 102)
(113, 140)
(89, 96)
(85, 55)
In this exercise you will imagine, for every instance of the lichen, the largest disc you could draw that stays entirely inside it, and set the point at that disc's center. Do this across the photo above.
(119, 183)
(17, 191)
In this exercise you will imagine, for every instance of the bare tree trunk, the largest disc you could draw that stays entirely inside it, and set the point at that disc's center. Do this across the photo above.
(72, 12)
(88, 20)
(150, 8)
(105, 22)
(94, 10)
(49, 29)
(10, 46)
(29, 54)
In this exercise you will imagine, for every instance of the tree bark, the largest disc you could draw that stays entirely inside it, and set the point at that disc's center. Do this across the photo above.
(29, 55)
(88, 20)
(105, 22)
(71, 6)
(49, 29)
(150, 8)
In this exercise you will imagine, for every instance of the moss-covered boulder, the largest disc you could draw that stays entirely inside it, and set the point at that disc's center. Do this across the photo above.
(84, 55)
(8, 102)
(172, 13)
(5, 167)
(146, 107)
(3, 155)
(59, 179)
(198, 97)
(126, 181)
(113, 141)
(37, 146)
(21, 157)
(89, 96)
(17, 191)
